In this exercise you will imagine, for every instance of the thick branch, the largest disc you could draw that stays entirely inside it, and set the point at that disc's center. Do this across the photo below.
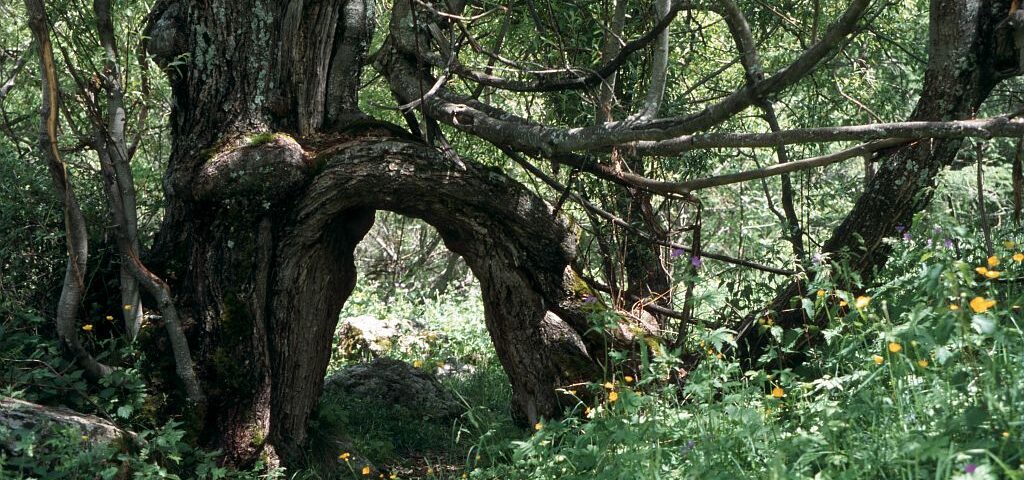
(1004, 126)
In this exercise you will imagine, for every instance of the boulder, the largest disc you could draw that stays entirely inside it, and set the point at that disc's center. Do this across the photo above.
(364, 337)
(18, 417)
(393, 382)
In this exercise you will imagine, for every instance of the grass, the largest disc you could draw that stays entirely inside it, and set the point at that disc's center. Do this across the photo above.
(945, 403)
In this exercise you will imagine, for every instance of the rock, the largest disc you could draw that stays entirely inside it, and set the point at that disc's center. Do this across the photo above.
(393, 382)
(21, 416)
(455, 369)
(364, 337)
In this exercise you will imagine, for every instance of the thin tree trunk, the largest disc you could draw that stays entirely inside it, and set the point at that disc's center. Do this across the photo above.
(986, 229)
(74, 222)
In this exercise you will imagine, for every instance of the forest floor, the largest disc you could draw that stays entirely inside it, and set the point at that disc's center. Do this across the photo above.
(919, 376)
(922, 377)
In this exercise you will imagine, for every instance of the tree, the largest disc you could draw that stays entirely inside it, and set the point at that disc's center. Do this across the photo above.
(275, 174)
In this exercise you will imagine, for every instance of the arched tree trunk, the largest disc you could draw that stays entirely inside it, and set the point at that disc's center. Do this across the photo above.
(964, 65)
(260, 228)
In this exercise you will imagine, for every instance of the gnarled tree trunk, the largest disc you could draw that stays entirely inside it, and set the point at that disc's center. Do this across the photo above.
(274, 178)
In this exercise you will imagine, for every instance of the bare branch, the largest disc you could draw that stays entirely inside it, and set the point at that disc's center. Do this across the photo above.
(9, 84)
(600, 212)
(561, 79)
(751, 60)
(781, 168)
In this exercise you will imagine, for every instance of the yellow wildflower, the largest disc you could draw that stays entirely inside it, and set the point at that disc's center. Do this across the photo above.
(628, 379)
(878, 359)
(537, 426)
(992, 274)
(923, 363)
(981, 270)
(366, 470)
(778, 392)
(821, 293)
(1018, 257)
(862, 302)
(85, 438)
(608, 385)
(613, 396)
(842, 303)
(588, 412)
(1006, 434)
(417, 363)
(954, 307)
(87, 327)
(981, 305)
(127, 306)
(895, 347)
(344, 456)
(109, 318)
(993, 261)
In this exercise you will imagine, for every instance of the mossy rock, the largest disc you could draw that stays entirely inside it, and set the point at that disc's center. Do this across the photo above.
(394, 383)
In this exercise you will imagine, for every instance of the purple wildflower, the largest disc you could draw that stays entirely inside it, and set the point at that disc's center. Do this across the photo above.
(947, 243)
(936, 229)
(676, 252)
(696, 261)
(817, 258)
(900, 228)
(686, 448)
(906, 236)
(970, 468)
(589, 300)
(929, 243)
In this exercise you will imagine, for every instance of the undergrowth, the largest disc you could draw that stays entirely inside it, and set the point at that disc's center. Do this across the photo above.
(918, 376)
